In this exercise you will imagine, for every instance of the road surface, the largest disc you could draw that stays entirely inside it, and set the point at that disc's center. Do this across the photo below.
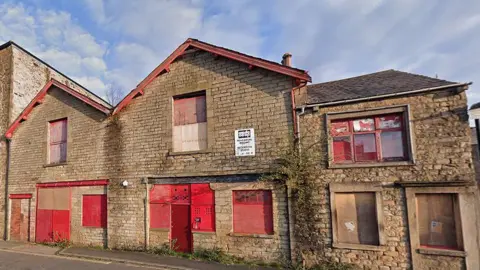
(13, 261)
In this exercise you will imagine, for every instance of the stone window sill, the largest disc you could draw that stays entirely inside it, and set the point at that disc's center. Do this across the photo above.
(204, 232)
(160, 229)
(55, 164)
(264, 236)
(370, 165)
(441, 252)
(93, 227)
(359, 247)
(173, 153)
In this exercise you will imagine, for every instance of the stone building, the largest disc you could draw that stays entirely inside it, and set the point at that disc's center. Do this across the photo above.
(22, 76)
(179, 162)
(164, 161)
(397, 188)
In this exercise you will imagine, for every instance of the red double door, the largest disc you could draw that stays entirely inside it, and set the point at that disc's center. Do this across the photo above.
(182, 209)
(53, 215)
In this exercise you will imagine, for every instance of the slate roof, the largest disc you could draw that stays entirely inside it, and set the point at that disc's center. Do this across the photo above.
(370, 85)
(475, 106)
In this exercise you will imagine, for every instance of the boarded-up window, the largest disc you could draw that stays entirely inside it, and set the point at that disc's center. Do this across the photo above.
(94, 211)
(439, 221)
(58, 141)
(190, 123)
(252, 212)
(203, 207)
(371, 139)
(356, 218)
(160, 199)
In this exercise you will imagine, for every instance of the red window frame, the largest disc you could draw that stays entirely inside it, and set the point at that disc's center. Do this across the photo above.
(252, 212)
(349, 132)
(94, 210)
(58, 140)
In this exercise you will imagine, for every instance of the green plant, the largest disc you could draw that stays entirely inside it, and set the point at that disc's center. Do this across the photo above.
(299, 169)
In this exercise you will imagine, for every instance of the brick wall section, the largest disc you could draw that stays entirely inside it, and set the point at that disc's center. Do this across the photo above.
(443, 153)
(85, 235)
(136, 142)
(29, 146)
(5, 90)
(139, 138)
(272, 248)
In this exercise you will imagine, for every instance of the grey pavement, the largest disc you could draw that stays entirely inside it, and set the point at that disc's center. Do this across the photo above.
(149, 259)
(13, 260)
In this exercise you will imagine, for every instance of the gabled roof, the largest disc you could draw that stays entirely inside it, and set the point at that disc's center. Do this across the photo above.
(39, 98)
(372, 85)
(475, 106)
(81, 89)
(218, 51)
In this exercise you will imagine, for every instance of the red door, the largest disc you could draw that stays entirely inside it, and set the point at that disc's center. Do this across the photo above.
(20, 217)
(180, 233)
(53, 215)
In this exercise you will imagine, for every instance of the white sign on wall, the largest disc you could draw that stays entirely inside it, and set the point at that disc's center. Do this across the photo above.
(244, 142)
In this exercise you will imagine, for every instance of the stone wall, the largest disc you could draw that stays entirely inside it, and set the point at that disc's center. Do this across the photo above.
(139, 138)
(80, 234)
(29, 159)
(5, 90)
(137, 143)
(442, 151)
(274, 248)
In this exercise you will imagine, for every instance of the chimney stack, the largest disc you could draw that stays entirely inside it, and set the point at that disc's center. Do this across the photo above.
(287, 59)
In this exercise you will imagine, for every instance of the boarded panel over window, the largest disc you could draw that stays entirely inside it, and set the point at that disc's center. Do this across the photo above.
(160, 194)
(356, 218)
(94, 211)
(252, 212)
(159, 216)
(54, 198)
(191, 137)
(189, 110)
(436, 220)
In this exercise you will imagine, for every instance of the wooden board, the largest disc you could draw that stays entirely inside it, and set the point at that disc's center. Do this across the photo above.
(436, 220)
(356, 218)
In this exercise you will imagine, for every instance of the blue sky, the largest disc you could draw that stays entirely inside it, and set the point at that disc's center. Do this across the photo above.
(116, 43)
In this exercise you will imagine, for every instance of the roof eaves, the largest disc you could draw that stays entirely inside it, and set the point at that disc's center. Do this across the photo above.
(39, 98)
(344, 101)
(12, 43)
(227, 53)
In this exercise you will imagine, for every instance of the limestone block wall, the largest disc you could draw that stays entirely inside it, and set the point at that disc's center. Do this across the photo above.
(442, 152)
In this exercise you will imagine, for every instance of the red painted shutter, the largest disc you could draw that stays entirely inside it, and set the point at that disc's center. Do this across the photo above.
(203, 208)
(61, 225)
(159, 216)
(160, 199)
(94, 212)
(58, 141)
(189, 110)
(160, 194)
(43, 228)
(252, 212)
(190, 123)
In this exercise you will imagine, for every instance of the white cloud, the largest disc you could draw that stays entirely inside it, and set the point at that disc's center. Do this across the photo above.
(331, 38)
(92, 83)
(57, 39)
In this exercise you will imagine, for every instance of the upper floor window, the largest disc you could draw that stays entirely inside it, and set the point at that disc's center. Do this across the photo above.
(190, 123)
(379, 138)
(57, 141)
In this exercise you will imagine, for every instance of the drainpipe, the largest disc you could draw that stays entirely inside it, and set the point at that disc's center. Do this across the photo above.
(7, 169)
(147, 214)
